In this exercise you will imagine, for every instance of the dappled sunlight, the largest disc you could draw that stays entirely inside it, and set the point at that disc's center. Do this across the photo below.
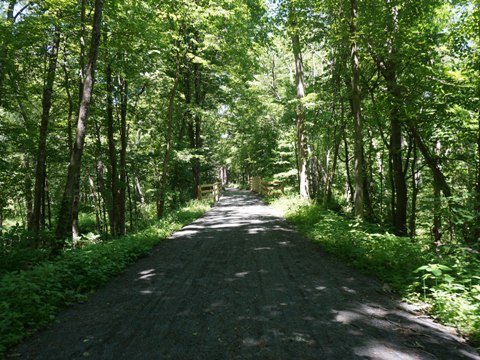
(300, 313)
(242, 284)
(346, 317)
(380, 350)
(242, 274)
(262, 248)
(146, 274)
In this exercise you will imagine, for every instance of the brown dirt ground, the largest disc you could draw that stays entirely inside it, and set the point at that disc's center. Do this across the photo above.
(240, 283)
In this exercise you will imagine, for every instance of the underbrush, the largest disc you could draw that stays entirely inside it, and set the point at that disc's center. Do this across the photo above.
(30, 299)
(447, 278)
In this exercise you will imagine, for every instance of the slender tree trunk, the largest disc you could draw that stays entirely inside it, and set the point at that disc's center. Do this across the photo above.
(4, 53)
(49, 204)
(1, 213)
(41, 172)
(103, 194)
(198, 124)
(138, 187)
(437, 216)
(70, 112)
(347, 169)
(327, 200)
(388, 68)
(28, 191)
(194, 122)
(76, 185)
(476, 228)
(168, 141)
(65, 214)
(357, 116)
(400, 200)
(123, 159)
(414, 181)
(114, 207)
(300, 116)
(96, 202)
(75, 208)
(130, 204)
(400, 223)
(431, 160)
(28, 172)
(100, 180)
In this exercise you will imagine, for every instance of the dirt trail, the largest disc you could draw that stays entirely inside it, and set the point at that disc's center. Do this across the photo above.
(239, 283)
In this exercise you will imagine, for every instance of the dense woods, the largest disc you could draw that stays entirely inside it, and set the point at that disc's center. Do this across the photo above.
(113, 112)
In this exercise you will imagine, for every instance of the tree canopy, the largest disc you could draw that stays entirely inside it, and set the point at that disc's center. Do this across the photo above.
(369, 108)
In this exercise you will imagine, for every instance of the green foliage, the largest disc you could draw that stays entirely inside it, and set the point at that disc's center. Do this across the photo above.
(447, 280)
(29, 299)
(15, 250)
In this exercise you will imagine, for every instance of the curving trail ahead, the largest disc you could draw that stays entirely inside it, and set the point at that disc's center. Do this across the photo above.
(239, 283)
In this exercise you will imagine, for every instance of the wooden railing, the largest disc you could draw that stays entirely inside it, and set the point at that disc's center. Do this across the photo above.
(263, 187)
(206, 190)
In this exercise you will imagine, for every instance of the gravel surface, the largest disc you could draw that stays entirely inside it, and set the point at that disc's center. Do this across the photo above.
(240, 283)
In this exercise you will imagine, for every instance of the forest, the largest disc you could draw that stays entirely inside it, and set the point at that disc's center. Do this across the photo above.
(112, 113)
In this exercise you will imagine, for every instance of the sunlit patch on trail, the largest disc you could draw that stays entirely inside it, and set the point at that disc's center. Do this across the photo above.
(242, 274)
(146, 274)
(347, 317)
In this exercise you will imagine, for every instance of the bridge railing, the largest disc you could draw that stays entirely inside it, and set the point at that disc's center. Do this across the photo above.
(205, 190)
(263, 187)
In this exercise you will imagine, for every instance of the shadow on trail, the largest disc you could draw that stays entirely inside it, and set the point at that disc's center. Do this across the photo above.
(239, 283)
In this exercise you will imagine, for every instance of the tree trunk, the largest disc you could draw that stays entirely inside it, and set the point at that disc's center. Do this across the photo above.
(96, 202)
(475, 238)
(65, 214)
(476, 228)
(415, 184)
(300, 116)
(388, 68)
(399, 195)
(49, 204)
(437, 216)
(357, 117)
(400, 222)
(41, 166)
(168, 142)
(431, 160)
(100, 180)
(28, 191)
(130, 204)
(4, 56)
(194, 123)
(70, 112)
(113, 208)
(123, 160)
(76, 185)
(347, 169)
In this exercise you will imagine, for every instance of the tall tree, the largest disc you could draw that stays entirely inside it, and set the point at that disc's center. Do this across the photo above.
(40, 174)
(65, 215)
(357, 114)
(302, 151)
(168, 140)
(114, 207)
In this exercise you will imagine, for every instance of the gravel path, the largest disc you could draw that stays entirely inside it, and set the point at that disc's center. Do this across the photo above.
(239, 283)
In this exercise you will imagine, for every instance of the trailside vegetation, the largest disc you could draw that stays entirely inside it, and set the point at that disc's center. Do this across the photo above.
(447, 280)
(31, 298)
